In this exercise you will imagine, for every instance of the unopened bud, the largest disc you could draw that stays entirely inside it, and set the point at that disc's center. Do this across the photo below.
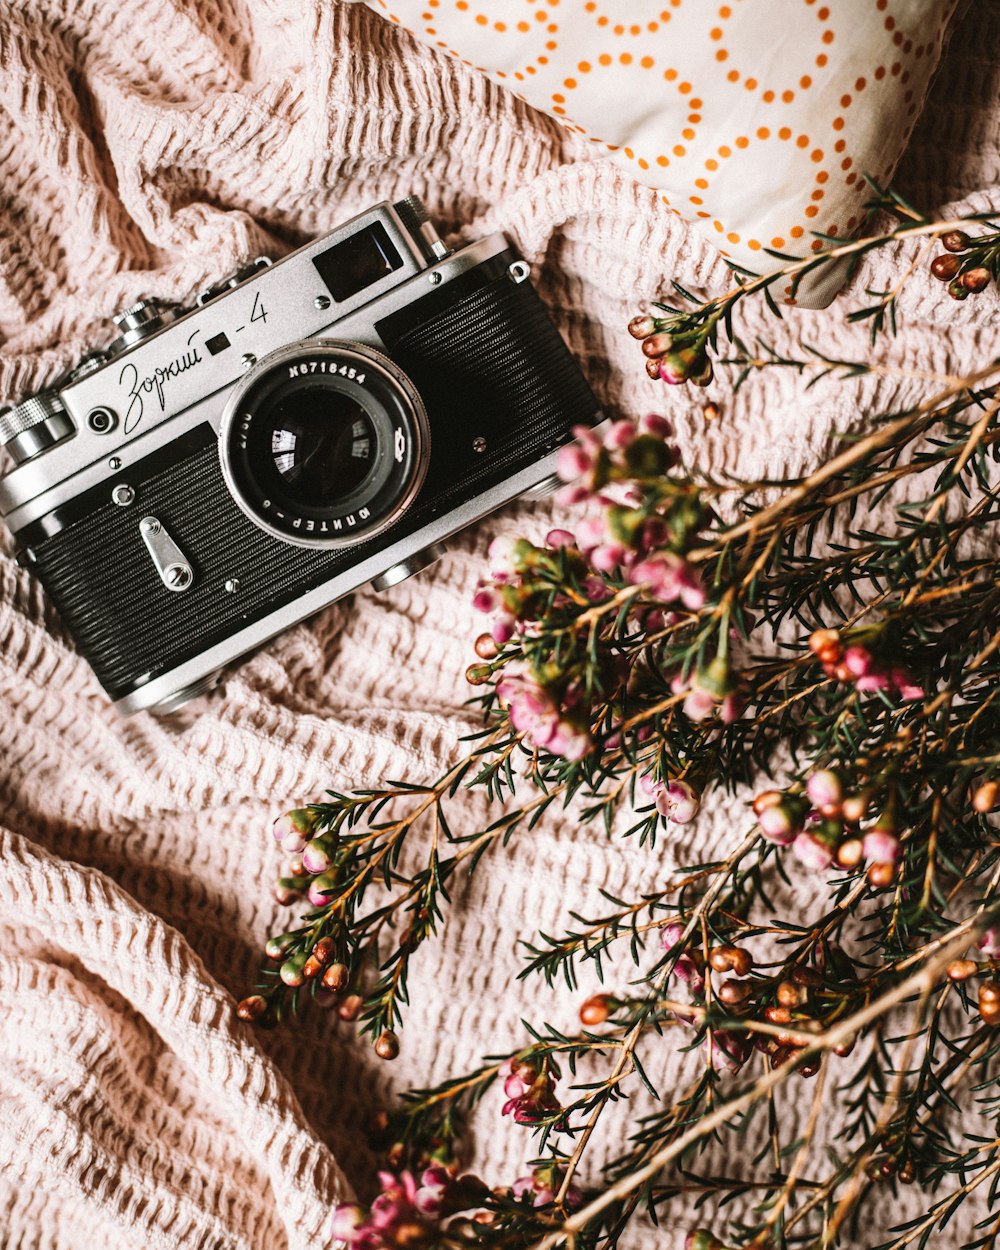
(955, 241)
(387, 1045)
(486, 647)
(789, 994)
(730, 959)
(985, 798)
(596, 1009)
(477, 674)
(945, 267)
(961, 969)
(291, 971)
(277, 947)
(350, 1008)
(976, 280)
(850, 853)
(881, 876)
(336, 977)
(641, 327)
(251, 1008)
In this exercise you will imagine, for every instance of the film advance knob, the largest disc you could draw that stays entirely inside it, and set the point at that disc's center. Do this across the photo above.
(34, 425)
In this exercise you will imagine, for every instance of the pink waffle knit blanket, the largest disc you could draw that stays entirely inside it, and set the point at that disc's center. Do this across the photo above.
(145, 149)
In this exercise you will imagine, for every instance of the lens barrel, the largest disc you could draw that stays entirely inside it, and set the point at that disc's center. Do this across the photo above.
(324, 443)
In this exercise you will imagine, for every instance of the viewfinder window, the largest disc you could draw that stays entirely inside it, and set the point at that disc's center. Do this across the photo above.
(358, 262)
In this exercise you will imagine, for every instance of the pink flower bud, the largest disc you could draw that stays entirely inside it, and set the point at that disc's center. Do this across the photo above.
(811, 851)
(880, 846)
(299, 822)
(777, 824)
(318, 854)
(570, 496)
(320, 889)
(293, 842)
(572, 462)
(699, 705)
(618, 435)
(608, 556)
(824, 788)
(659, 427)
(560, 538)
(503, 629)
(670, 935)
(989, 943)
(570, 741)
(487, 598)
(858, 660)
(872, 681)
(504, 552)
(345, 1220)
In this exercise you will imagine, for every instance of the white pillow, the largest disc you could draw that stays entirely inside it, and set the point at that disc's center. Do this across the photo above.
(755, 120)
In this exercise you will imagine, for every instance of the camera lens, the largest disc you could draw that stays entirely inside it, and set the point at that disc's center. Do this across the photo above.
(324, 444)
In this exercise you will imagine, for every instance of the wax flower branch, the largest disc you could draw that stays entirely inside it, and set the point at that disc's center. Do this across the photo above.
(827, 650)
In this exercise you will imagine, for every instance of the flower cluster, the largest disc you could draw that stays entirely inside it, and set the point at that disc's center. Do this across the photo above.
(967, 265)
(530, 1090)
(632, 536)
(408, 1211)
(675, 800)
(853, 661)
(548, 723)
(823, 826)
(675, 349)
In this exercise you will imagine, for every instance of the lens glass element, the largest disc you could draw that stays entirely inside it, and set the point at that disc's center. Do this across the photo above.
(323, 444)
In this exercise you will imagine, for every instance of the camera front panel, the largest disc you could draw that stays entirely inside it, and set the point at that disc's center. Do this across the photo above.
(501, 390)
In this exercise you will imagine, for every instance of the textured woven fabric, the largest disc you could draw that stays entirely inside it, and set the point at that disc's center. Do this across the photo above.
(146, 148)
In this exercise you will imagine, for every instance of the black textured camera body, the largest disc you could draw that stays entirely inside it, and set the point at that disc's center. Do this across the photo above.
(501, 391)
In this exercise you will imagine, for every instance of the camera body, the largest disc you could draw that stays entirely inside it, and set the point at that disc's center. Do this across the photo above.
(217, 474)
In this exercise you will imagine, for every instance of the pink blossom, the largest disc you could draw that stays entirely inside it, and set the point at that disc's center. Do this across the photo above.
(571, 495)
(670, 578)
(858, 661)
(569, 741)
(530, 1093)
(345, 1220)
(872, 680)
(989, 943)
(608, 556)
(685, 969)
(812, 851)
(560, 538)
(699, 704)
(881, 846)
(502, 553)
(659, 427)
(541, 1187)
(906, 687)
(572, 462)
(595, 588)
(534, 712)
(732, 708)
(620, 434)
(674, 799)
(728, 1051)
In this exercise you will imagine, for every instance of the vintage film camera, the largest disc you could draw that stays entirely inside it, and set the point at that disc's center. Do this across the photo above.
(217, 474)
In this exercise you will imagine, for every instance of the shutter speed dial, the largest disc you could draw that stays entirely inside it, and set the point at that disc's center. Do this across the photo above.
(138, 321)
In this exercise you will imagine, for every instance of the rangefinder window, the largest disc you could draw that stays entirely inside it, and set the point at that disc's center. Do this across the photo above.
(358, 262)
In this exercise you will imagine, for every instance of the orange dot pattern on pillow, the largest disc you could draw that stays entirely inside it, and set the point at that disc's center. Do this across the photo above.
(756, 120)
